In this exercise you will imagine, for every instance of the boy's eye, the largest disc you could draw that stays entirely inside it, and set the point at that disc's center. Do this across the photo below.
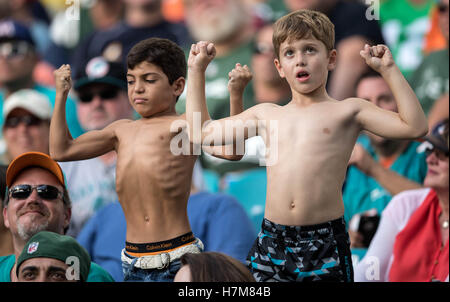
(150, 81)
(310, 49)
(288, 53)
(130, 82)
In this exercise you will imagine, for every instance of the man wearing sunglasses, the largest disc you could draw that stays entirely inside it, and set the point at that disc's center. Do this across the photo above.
(27, 115)
(36, 200)
(102, 99)
(18, 59)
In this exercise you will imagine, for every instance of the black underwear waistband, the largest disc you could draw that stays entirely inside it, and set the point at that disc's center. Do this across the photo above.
(143, 249)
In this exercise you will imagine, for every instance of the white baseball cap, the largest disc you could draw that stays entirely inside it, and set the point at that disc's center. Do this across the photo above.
(35, 102)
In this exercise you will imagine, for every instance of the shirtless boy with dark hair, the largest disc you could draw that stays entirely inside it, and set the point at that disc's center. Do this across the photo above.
(303, 236)
(153, 183)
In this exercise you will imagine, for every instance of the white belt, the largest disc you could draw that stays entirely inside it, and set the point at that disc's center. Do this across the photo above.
(163, 260)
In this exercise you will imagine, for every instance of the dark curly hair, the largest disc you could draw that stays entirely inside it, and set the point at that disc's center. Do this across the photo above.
(161, 52)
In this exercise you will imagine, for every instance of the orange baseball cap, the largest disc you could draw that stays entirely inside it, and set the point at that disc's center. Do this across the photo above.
(33, 159)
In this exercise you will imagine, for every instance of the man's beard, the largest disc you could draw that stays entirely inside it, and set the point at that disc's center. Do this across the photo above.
(223, 27)
(27, 231)
(386, 147)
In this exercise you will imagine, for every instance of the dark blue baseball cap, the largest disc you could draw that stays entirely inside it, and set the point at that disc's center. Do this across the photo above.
(100, 70)
(439, 136)
(11, 30)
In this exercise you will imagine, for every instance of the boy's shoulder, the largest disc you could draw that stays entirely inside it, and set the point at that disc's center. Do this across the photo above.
(121, 123)
(265, 107)
(354, 102)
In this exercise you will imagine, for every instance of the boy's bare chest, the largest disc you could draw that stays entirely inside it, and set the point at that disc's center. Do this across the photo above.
(315, 124)
(152, 136)
(153, 148)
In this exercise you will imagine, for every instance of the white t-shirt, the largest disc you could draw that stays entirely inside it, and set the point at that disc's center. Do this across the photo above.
(91, 185)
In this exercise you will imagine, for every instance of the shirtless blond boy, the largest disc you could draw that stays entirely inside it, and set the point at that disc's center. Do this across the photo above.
(153, 184)
(303, 236)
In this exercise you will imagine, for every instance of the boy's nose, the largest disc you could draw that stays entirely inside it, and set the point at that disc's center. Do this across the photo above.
(301, 60)
(139, 87)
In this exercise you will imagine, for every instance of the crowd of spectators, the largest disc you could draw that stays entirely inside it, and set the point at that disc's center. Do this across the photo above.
(226, 206)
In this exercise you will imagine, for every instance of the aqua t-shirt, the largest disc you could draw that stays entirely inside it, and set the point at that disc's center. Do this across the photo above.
(362, 193)
(96, 273)
(71, 110)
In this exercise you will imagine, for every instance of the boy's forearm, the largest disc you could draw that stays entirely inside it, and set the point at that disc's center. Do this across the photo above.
(59, 132)
(236, 103)
(409, 108)
(196, 103)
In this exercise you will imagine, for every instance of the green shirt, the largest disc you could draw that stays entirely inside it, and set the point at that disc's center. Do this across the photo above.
(96, 273)
(362, 193)
(430, 80)
(404, 26)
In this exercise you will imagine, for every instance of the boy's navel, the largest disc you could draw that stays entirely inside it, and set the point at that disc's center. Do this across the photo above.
(146, 218)
(292, 205)
(326, 130)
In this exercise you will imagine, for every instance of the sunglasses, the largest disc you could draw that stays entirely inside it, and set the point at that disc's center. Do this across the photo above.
(15, 49)
(28, 120)
(106, 95)
(46, 192)
(263, 48)
(441, 155)
(442, 8)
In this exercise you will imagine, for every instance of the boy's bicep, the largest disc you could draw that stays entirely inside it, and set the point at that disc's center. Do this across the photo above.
(93, 143)
(239, 127)
(379, 121)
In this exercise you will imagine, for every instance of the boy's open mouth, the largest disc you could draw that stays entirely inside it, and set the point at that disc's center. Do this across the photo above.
(303, 76)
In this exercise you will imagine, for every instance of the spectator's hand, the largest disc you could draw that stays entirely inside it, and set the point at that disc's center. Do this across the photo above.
(63, 80)
(356, 239)
(378, 57)
(239, 78)
(201, 55)
(361, 159)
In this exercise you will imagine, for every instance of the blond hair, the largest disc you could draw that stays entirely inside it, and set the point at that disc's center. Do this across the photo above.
(303, 24)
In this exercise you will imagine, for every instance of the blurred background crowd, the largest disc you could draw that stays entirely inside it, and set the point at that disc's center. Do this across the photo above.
(227, 202)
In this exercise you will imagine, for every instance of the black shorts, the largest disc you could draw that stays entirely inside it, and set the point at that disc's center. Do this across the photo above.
(318, 252)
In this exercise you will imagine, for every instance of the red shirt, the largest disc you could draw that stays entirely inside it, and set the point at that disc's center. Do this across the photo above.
(419, 254)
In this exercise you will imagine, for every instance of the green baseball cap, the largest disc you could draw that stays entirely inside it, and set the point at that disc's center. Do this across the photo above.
(52, 245)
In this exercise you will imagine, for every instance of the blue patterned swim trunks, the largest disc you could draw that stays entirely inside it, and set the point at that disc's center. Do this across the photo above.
(318, 252)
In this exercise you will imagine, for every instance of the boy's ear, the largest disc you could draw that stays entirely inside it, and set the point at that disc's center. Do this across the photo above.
(332, 59)
(178, 86)
(278, 66)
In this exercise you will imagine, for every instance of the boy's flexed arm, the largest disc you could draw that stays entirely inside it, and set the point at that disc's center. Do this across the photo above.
(200, 55)
(62, 146)
(410, 121)
(197, 113)
(239, 77)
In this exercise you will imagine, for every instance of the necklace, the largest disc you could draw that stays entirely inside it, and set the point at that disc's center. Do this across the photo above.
(445, 224)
